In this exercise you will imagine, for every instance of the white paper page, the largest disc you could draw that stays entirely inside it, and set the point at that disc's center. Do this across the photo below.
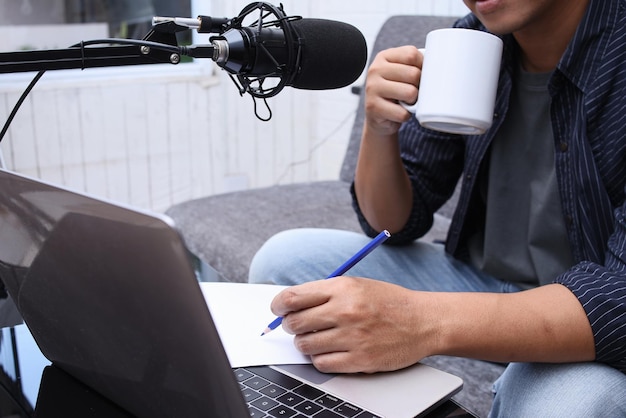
(241, 312)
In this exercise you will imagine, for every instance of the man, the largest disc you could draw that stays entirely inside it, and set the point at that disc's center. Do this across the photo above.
(534, 268)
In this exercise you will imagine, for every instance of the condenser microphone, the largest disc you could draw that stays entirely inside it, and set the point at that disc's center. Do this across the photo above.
(275, 50)
(328, 54)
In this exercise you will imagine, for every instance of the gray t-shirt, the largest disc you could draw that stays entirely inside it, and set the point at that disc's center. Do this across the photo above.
(524, 239)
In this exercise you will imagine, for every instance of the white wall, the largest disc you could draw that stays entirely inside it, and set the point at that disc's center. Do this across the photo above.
(156, 136)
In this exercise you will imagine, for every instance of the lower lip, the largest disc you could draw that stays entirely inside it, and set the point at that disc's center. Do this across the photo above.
(485, 7)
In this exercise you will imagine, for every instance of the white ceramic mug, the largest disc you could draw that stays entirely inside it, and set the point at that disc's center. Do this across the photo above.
(459, 81)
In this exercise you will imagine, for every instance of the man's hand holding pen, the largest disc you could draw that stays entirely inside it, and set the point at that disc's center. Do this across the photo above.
(350, 325)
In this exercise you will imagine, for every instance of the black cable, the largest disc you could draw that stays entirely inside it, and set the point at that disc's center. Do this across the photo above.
(138, 42)
(17, 106)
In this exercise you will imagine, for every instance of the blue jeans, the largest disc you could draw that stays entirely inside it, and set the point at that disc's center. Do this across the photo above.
(524, 389)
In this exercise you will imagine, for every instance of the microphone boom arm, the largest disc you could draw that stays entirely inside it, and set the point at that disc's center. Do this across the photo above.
(157, 47)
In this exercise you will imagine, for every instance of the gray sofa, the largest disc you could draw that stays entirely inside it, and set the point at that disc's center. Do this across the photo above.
(226, 230)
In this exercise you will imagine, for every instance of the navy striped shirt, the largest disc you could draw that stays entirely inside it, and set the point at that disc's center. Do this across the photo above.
(588, 112)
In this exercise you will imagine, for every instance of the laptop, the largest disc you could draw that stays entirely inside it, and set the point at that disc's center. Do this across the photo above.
(111, 295)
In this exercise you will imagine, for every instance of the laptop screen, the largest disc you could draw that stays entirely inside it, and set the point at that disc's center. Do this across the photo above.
(110, 296)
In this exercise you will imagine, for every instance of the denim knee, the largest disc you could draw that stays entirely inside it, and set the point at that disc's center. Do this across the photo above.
(273, 259)
(560, 390)
(300, 255)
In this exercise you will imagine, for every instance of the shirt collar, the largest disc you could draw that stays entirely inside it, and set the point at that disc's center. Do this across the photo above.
(591, 41)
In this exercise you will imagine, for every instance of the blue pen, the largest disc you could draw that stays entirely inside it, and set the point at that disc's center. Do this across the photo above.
(371, 246)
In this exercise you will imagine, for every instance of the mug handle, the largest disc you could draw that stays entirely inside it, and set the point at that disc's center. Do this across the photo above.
(411, 108)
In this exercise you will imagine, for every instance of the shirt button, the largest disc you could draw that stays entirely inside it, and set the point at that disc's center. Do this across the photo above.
(563, 146)
(569, 220)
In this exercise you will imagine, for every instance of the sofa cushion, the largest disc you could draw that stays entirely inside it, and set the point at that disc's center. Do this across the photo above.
(226, 230)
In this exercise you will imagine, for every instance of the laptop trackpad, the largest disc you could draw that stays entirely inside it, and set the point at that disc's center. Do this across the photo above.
(307, 372)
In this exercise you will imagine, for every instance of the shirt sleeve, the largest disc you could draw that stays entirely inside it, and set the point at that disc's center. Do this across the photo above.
(601, 289)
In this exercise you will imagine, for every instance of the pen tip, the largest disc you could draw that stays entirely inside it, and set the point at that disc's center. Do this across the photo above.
(267, 331)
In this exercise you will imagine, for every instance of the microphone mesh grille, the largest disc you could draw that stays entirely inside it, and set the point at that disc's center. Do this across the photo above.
(334, 54)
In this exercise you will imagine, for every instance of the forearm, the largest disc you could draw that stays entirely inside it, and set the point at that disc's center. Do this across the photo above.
(546, 324)
(381, 183)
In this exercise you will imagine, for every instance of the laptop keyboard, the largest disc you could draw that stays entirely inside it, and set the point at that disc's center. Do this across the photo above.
(270, 393)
